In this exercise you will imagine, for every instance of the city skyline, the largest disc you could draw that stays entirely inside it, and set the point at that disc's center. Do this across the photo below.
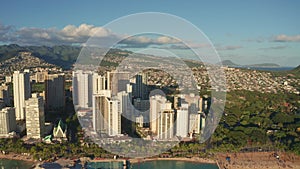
(245, 33)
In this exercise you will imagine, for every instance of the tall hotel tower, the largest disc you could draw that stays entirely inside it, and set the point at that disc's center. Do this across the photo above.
(22, 91)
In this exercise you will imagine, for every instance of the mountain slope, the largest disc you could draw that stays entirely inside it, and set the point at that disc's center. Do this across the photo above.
(63, 56)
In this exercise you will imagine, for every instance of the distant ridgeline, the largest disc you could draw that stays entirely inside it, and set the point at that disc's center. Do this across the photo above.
(65, 56)
(229, 63)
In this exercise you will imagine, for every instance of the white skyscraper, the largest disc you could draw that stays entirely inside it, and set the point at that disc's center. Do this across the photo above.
(85, 84)
(165, 129)
(157, 105)
(22, 91)
(35, 118)
(114, 117)
(98, 83)
(82, 88)
(182, 121)
(194, 123)
(99, 106)
(125, 103)
(106, 114)
(7, 121)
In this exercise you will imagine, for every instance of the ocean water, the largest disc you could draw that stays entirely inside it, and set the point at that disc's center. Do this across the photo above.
(173, 165)
(105, 165)
(14, 164)
(271, 68)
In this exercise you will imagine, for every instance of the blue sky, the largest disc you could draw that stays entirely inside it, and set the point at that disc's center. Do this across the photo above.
(245, 32)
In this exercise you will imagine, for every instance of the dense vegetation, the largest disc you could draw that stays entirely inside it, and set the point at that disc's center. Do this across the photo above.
(257, 119)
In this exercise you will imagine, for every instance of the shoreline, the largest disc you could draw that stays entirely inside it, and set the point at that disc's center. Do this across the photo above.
(184, 159)
(241, 160)
(19, 157)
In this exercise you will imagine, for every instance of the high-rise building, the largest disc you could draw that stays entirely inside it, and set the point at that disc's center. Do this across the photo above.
(140, 86)
(85, 84)
(125, 102)
(166, 123)
(22, 91)
(157, 105)
(117, 81)
(106, 115)
(35, 118)
(99, 83)
(5, 94)
(55, 92)
(82, 88)
(182, 120)
(127, 111)
(7, 121)
(194, 123)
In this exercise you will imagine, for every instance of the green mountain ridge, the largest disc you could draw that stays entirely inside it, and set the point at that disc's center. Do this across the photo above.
(63, 56)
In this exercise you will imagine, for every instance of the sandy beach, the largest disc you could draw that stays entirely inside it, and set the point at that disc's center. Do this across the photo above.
(194, 160)
(12, 156)
(258, 160)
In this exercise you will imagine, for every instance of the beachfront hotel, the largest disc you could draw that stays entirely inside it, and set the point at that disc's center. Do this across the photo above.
(182, 115)
(106, 115)
(157, 104)
(165, 125)
(35, 118)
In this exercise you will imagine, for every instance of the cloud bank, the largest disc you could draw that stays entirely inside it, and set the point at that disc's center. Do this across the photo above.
(286, 38)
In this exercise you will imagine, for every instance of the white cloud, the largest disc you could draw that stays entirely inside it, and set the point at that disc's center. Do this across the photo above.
(72, 34)
(143, 41)
(84, 30)
(166, 40)
(52, 36)
(286, 38)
